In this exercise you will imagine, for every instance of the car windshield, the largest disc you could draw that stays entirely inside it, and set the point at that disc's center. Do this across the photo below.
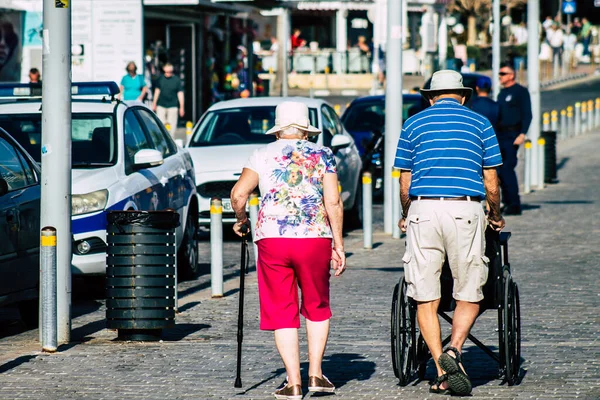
(93, 138)
(370, 116)
(242, 125)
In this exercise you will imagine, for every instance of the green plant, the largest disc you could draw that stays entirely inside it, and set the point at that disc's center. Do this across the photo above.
(473, 52)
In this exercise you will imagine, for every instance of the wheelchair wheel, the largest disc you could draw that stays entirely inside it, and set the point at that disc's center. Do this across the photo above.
(403, 335)
(512, 331)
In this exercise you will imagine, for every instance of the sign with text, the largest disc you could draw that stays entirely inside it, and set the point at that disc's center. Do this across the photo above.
(106, 35)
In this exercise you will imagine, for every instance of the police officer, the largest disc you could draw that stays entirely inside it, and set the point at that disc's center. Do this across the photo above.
(515, 117)
(482, 104)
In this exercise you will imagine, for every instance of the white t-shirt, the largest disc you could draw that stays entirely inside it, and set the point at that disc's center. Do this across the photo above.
(290, 177)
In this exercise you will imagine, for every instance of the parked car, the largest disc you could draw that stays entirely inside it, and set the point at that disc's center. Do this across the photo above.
(230, 131)
(19, 229)
(122, 159)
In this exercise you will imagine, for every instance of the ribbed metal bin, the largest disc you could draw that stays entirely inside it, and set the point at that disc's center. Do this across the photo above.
(140, 273)
(550, 165)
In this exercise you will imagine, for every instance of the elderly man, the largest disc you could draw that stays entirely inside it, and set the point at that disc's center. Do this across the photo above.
(448, 156)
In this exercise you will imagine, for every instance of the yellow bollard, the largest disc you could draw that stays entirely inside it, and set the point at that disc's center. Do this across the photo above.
(541, 162)
(546, 122)
(188, 128)
(337, 109)
(168, 127)
(554, 121)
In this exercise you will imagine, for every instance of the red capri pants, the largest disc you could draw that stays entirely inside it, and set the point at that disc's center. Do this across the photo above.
(284, 264)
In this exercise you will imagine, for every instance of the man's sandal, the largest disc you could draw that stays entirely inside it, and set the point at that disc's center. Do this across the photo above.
(437, 382)
(458, 380)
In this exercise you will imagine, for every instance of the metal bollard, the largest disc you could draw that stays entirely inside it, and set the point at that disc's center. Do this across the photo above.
(367, 198)
(570, 122)
(584, 122)
(253, 204)
(577, 129)
(527, 177)
(546, 122)
(554, 121)
(597, 124)
(216, 247)
(541, 162)
(188, 131)
(49, 331)
(563, 124)
(590, 115)
(396, 205)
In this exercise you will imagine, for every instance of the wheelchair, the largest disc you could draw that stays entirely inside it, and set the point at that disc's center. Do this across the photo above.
(409, 350)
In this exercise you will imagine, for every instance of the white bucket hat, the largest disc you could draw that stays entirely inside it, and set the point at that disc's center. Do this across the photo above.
(293, 114)
(447, 80)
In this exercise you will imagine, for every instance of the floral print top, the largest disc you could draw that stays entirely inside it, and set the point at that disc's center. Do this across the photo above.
(291, 175)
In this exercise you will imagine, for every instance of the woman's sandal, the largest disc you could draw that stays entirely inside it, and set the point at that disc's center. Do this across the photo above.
(437, 382)
(458, 380)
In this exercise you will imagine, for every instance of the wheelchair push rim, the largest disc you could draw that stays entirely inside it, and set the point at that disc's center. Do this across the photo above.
(403, 335)
(512, 332)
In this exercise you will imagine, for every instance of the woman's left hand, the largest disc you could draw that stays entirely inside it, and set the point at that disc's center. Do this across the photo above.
(338, 259)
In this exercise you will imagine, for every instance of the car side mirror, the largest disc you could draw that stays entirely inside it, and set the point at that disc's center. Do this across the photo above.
(147, 158)
(339, 142)
(3, 187)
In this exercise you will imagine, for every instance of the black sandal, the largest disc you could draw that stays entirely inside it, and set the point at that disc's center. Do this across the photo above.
(458, 380)
(437, 382)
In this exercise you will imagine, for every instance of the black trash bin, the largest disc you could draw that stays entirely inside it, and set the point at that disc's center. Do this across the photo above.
(550, 166)
(140, 273)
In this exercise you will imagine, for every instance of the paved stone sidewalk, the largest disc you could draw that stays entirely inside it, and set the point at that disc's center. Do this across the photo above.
(553, 252)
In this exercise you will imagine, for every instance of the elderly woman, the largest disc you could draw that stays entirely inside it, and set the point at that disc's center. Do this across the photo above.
(299, 238)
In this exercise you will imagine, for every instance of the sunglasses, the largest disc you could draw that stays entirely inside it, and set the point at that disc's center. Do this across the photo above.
(504, 73)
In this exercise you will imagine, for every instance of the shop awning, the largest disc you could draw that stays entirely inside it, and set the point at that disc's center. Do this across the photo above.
(335, 5)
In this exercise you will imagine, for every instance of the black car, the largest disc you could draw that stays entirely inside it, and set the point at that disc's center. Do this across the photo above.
(19, 229)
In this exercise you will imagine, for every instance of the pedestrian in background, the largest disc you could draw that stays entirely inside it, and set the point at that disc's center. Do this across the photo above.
(299, 238)
(168, 98)
(133, 86)
(515, 117)
(448, 156)
(556, 39)
(586, 36)
(482, 104)
(35, 76)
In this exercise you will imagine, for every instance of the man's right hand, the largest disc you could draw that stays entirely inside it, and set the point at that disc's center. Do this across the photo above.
(497, 225)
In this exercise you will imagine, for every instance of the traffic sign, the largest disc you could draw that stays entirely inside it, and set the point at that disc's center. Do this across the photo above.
(570, 7)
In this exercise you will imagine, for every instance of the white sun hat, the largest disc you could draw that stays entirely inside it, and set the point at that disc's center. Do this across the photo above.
(292, 114)
(447, 80)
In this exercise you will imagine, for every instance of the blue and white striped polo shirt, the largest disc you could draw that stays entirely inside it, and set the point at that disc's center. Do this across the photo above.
(446, 148)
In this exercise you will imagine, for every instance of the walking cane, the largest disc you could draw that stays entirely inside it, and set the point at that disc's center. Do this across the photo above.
(240, 328)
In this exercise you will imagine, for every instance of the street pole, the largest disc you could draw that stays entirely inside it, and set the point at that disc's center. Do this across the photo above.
(533, 83)
(56, 150)
(496, 50)
(393, 105)
(283, 37)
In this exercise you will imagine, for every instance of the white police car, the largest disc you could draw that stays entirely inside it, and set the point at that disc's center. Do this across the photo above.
(230, 131)
(122, 159)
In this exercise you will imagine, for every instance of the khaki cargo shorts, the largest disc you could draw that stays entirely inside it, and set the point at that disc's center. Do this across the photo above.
(437, 229)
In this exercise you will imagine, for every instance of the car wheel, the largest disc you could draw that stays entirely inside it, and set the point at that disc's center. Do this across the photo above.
(30, 314)
(354, 216)
(187, 256)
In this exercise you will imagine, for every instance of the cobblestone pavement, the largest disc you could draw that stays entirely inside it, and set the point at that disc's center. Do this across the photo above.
(553, 251)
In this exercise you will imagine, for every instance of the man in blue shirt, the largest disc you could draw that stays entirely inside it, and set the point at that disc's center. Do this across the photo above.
(482, 104)
(448, 156)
